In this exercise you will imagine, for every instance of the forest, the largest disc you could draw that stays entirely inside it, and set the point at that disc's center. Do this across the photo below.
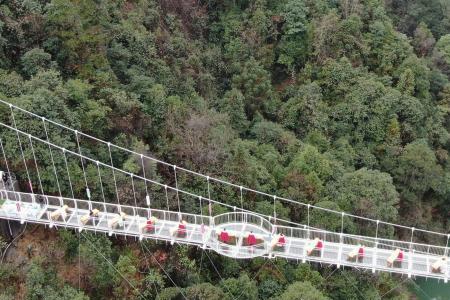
(343, 104)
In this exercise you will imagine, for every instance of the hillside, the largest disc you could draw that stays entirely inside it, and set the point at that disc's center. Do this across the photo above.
(344, 104)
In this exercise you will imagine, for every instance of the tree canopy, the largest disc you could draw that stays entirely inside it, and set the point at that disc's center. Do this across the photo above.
(343, 104)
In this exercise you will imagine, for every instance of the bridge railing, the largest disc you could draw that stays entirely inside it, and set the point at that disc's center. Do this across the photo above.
(294, 232)
(109, 208)
(243, 217)
(370, 242)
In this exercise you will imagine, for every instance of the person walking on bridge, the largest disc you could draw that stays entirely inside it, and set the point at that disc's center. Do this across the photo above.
(224, 236)
(251, 241)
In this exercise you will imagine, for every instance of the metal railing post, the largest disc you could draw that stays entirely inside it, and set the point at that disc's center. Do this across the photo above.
(374, 257)
(410, 254)
(340, 241)
(306, 242)
(307, 233)
(447, 265)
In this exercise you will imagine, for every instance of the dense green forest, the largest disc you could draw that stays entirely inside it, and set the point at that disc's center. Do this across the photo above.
(343, 104)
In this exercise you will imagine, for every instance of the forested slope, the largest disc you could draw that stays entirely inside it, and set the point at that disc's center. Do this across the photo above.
(339, 103)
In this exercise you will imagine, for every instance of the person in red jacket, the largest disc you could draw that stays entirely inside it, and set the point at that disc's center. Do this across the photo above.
(395, 259)
(319, 245)
(182, 229)
(251, 239)
(399, 260)
(224, 237)
(361, 254)
(314, 247)
(281, 240)
(150, 225)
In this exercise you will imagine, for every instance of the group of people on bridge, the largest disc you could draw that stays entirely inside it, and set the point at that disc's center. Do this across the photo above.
(312, 247)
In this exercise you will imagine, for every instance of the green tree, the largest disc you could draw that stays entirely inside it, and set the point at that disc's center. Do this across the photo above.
(423, 41)
(443, 46)
(152, 283)
(254, 83)
(406, 82)
(302, 290)
(234, 106)
(170, 293)
(266, 208)
(269, 288)
(96, 252)
(368, 193)
(34, 60)
(204, 291)
(303, 273)
(126, 283)
(293, 48)
(305, 111)
(417, 171)
(330, 221)
(240, 287)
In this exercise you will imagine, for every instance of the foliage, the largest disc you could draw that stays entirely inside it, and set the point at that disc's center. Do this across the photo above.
(302, 290)
(368, 193)
(204, 291)
(69, 243)
(340, 104)
(240, 287)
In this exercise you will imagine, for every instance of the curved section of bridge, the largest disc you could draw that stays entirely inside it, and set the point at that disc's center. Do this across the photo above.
(237, 233)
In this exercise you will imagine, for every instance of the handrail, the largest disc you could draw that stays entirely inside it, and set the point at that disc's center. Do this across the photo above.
(263, 223)
(380, 241)
(237, 251)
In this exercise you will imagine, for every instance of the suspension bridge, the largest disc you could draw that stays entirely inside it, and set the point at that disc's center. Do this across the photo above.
(136, 202)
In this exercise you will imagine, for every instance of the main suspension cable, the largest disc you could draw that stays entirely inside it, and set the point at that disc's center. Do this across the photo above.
(141, 178)
(216, 179)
